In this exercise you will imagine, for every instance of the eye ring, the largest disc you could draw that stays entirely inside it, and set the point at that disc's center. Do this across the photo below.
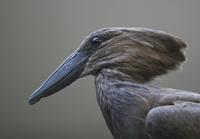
(96, 41)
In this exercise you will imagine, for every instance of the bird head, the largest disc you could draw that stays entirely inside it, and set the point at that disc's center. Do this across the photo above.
(139, 53)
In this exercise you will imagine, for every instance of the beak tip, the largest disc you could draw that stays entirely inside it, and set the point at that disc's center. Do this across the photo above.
(32, 100)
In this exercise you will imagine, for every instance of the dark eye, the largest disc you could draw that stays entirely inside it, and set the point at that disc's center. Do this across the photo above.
(96, 41)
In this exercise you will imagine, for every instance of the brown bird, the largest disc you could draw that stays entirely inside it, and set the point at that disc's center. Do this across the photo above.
(123, 61)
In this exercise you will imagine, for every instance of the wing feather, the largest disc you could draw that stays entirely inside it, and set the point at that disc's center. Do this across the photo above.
(177, 117)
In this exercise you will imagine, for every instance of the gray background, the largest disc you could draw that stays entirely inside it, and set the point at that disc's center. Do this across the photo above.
(37, 35)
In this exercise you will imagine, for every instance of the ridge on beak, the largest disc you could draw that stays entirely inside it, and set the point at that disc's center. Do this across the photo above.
(63, 76)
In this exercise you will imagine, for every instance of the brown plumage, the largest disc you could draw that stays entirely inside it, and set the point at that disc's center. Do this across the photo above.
(123, 61)
(134, 51)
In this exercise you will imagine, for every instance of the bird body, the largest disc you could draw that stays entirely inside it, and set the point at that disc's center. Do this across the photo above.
(123, 61)
(142, 111)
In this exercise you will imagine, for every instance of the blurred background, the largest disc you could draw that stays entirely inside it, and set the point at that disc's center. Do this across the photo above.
(37, 35)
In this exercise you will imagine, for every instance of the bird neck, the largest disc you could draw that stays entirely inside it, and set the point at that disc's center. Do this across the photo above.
(107, 80)
(109, 76)
(116, 93)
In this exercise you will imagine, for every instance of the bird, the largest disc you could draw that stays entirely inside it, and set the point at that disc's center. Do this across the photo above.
(124, 61)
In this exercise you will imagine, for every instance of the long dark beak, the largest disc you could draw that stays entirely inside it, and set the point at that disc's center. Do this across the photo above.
(63, 76)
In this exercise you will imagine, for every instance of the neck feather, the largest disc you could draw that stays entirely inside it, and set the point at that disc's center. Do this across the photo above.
(113, 75)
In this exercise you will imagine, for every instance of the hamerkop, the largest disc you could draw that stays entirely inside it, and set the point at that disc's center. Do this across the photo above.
(123, 61)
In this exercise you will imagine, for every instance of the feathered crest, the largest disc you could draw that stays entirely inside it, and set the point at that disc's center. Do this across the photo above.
(140, 53)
